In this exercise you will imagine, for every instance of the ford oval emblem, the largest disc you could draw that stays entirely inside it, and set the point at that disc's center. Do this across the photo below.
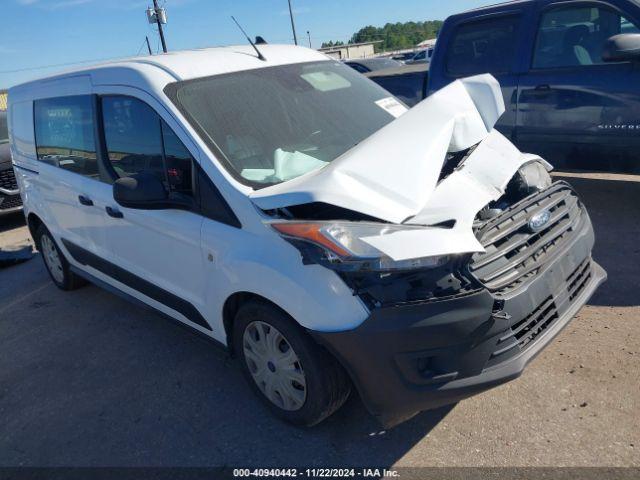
(539, 220)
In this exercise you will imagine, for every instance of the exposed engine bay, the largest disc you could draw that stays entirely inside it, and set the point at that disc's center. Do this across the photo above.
(378, 289)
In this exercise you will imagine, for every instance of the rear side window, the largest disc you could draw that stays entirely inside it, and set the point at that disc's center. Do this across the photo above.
(64, 131)
(485, 46)
(138, 140)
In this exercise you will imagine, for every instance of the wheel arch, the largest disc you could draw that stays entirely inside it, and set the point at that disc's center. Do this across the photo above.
(231, 306)
(33, 223)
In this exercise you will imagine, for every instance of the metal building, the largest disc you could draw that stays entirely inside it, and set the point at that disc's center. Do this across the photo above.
(351, 50)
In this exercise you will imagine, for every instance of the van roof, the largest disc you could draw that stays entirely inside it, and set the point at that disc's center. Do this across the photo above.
(188, 64)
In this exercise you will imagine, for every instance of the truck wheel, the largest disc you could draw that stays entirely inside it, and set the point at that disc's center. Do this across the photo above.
(298, 380)
(54, 260)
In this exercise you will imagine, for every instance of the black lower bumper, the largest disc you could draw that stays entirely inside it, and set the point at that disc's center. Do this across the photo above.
(408, 358)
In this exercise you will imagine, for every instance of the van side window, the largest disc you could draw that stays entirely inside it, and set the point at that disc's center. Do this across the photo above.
(64, 132)
(485, 46)
(138, 140)
(575, 36)
(133, 137)
(178, 162)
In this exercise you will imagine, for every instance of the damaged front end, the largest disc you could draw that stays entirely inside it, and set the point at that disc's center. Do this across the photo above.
(398, 224)
(469, 259)
(335, 238)
(406, 203)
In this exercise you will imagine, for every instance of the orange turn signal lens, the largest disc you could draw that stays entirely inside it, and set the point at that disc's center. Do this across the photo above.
(310, 232)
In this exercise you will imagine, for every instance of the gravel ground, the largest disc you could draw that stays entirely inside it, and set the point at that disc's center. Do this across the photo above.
(87, 379)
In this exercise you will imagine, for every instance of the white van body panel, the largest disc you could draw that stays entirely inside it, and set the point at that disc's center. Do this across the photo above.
(180, 243)
(205, 262)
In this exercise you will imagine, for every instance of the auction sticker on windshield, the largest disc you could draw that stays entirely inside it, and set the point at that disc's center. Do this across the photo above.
(392, 106)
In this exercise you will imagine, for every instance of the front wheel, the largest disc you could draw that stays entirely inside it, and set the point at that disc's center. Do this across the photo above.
(54, 260)
(299, 380)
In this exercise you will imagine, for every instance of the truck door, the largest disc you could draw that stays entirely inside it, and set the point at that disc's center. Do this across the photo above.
(574, 109)
(485, 44)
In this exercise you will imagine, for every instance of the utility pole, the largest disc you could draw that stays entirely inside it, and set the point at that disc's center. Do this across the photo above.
(156, 9)
(309, 35)
(293, 26)
(148, 45)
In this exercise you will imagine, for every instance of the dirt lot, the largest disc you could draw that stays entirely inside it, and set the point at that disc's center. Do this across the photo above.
(87, 379)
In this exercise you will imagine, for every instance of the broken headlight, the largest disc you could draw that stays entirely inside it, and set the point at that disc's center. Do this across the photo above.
(341, 245)
(534, 176)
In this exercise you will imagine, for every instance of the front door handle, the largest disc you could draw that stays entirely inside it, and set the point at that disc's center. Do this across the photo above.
(85, 200)
(544, 88)
(112, 212)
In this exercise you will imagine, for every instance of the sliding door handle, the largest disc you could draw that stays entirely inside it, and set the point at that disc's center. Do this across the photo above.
(112, 212)
(85, 200)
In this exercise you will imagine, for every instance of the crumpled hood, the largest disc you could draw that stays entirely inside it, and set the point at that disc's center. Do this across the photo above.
(393, 174)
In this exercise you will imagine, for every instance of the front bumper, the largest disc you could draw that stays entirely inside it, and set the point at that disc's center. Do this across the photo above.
(412, 357)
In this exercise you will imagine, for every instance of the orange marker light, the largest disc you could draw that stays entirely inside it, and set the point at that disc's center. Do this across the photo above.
(310, 232)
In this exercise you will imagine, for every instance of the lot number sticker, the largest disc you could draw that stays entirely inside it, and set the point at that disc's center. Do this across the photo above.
(392, 106)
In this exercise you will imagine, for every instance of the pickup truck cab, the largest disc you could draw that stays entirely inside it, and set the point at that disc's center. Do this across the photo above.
(289, 208)
(572, 92)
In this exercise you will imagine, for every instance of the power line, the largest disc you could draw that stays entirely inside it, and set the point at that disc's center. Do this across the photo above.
(42, 67)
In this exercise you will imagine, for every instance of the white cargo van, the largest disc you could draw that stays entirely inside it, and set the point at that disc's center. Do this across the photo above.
(292, 210)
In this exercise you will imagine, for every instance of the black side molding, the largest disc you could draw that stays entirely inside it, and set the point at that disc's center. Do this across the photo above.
(15, 165)
(143, 286)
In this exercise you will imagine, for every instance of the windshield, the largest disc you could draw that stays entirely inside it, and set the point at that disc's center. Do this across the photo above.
(4, 133)
(274, 124)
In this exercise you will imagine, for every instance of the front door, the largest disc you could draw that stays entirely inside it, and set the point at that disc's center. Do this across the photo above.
(575, 110)
(155, 253)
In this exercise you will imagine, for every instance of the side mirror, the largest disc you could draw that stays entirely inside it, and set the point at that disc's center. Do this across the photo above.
(622, 48)
(145, 191)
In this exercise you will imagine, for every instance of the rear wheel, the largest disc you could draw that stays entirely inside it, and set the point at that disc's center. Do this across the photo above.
(299, 380)
(55, 262)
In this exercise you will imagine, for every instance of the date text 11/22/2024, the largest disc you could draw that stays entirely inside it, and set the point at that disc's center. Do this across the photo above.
(315, 472)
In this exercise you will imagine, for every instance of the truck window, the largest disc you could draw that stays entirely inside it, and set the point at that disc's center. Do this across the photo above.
(138, 140)
(574, 36)
(484, 46)
(64, 134)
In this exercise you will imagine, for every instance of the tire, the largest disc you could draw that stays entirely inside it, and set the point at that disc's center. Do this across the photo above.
(59, 270)
(325, 385)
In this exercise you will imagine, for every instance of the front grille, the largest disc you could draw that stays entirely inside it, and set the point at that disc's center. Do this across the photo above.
(8, 179)
(10, 201)
(526, 330)
(579, 279)
(513, 253)
(522, 334)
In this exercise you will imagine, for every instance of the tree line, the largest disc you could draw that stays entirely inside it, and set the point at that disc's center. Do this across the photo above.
(394, 36)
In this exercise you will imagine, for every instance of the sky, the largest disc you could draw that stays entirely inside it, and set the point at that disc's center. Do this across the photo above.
(39, 33)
